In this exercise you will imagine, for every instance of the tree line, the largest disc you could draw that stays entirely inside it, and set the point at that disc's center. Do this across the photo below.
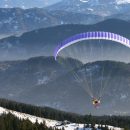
(10, 122)
(46, 112)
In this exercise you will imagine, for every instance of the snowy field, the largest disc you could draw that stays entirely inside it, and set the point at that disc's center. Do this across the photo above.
(50, 123)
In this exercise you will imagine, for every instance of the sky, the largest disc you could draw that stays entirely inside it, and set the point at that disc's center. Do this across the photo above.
(26, 3)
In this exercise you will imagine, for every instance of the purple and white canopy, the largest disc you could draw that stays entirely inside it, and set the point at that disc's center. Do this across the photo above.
(92, 35)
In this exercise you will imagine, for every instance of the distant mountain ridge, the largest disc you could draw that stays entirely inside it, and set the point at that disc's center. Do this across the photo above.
(44, 41)
(96, 7)
(15, 21)
(25, 4)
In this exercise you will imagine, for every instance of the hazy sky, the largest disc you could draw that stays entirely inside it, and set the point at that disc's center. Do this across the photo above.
(26, 3)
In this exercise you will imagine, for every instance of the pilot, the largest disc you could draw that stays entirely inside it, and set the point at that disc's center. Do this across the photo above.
(96, 102)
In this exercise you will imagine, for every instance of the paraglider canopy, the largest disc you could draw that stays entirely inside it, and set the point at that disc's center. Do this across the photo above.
(86, 76)
(92, 35)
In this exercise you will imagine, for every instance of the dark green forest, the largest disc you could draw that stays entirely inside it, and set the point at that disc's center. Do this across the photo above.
(117, 121)
(10, 122)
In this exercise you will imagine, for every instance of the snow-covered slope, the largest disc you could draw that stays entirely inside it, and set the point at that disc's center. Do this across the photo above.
(111, 1)
(122, 1)
(50, 123)
(33, 119)
(97, 7)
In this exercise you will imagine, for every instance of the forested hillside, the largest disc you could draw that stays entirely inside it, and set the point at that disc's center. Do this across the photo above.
(117, 121)
(10, 122)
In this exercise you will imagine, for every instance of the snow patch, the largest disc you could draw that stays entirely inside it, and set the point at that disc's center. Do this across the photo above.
(90, 9)
(84, 1)
(43, 80)
(123, 96)
(122, 1)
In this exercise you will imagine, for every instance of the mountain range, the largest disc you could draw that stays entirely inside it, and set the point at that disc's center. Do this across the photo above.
(26, 4)
(15, 21)
(29, 73)
(44, 82)
(96, 7)
(44, 41)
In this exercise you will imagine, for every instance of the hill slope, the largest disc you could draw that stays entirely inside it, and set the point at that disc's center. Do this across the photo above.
(43, 81)
(44, 41)
(50, 123)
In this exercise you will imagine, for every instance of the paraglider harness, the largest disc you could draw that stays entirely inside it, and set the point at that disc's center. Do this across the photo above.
(96, 102)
